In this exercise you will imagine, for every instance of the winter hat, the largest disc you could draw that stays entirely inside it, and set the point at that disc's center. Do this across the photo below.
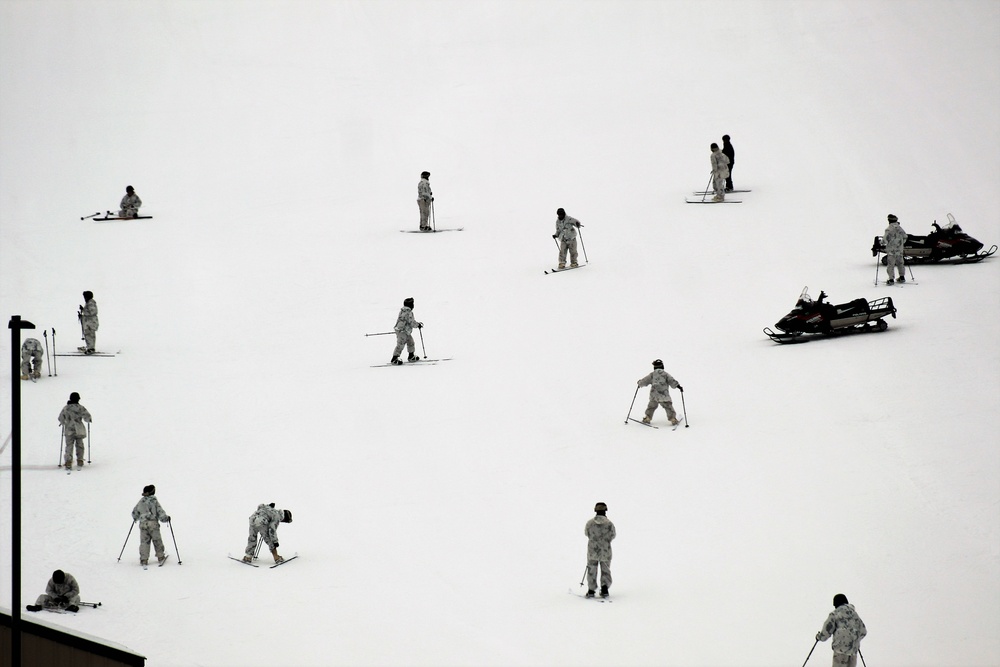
(149, 490)
(425, 174)
(74, 397)
(839, 599)
(560, 211)
(893, 218)
(286, 516)
(129, 189)
(657, 363)
(59, 577)
(408, 302)
(714, 147)
(725, 137)
(88, 295)
(600, 508)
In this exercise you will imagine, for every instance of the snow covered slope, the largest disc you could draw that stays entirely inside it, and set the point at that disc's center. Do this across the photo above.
(439, 511)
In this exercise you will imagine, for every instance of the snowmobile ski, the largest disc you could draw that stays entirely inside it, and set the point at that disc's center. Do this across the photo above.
(709, 201)
(639, 421)
(240, 561)
(568, 268)
(286, 560)
(431, 231)
(712, 192)
(425, 362)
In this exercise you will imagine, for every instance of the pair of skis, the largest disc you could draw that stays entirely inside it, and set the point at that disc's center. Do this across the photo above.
(159, 563)
(673, 427)
(111, 216)
(705, 193)
(422, 362)
(431, 231)
(270, 567)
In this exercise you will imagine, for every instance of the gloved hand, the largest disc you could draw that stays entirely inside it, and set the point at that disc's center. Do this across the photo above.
(638, 383)
(167, 520)
(555, 235)
(420, 325)
(275, 547)
(432, 198)
(817, 636)
(62, 599)
(680, 388)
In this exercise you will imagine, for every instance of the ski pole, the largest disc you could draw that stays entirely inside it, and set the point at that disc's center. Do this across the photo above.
(171, 524)
(420, 330)
(877, 253)
(95, 605)
(433, 219)
(684, 406)
(810, 652)
(586, 569)
(48, 365)
(62, 436)
(94, 215)
(126, 541)
(632, 405)
(55, 364)
(383, 333)
(260, 541)
(910, 267)
(583, 246)
(707, 185)
(862, 657)
(88, 443)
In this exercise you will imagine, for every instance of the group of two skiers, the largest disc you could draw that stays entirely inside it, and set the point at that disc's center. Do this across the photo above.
(32, 350)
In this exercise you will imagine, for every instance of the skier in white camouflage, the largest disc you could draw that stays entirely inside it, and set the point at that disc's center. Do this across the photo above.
(847, 630)
(425, 199)
(405, 322)
(264, 523)
(659, 382)
(130, 203)
(87, 314)
(71, 418)
(31, 355)
(895, 244)
(600, 532)
(720, 172)
(566, 234)
(150, 514)
(62, 592)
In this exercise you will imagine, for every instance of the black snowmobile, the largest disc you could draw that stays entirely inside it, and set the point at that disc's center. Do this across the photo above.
(944, 245)
(813, 319)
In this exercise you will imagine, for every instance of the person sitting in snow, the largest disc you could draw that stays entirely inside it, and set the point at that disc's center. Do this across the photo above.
(659, 382)
(31, 353)
(130, 203)
(62, 592)
(847, 630)
(264, 525)
(600, 532)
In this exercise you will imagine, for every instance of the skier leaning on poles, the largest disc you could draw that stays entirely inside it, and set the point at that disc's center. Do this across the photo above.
(566, 235)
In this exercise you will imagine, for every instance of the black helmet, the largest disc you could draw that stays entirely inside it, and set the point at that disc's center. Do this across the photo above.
(893, 218)
(59, 577)
(725, 137)
(839, 599)
(149, 490)
(286, 516)
(74, 397)
(129, 189)
(657, 363)
(408, 302)
(600, 508)
(425, 174)
(88, 295)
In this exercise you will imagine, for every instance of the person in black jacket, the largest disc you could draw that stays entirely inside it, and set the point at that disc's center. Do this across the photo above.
(729, 152)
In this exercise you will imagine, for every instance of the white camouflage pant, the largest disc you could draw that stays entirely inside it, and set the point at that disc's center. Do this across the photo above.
(404, 339)
(844, 660)
(149, 531)
(425, 212)
(26, 360)
(570, 245)
(73, 442)
(252, 539)
(666, 405)
(895, 261)
(592, 573)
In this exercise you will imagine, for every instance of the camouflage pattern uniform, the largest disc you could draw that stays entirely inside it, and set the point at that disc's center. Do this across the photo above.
(404, 327)
(600, 532)
(566, 233)
(895, 242)
(847, 630)
(31, 351)
(720, 172)
(424, 199)
(71, 418)
(130, 205)
(149, 514)
(88, 317)
(264, 522)
(660, 382)
(68, 590)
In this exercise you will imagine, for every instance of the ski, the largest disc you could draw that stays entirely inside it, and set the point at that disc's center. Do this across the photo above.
(84, 354)
(712, 192)
(240, 560)
(596, 598)
(111, 216)
(679, 422)
(568, 268)
(286, 560)
(425, 362)
(639, 421)
(165, 557)
(431, 231)
(709, 201)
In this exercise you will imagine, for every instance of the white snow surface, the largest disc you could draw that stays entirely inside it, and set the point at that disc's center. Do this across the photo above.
(439, 511)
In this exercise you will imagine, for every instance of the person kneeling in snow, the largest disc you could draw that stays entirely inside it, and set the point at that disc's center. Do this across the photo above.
(62, 592)
(264, 522)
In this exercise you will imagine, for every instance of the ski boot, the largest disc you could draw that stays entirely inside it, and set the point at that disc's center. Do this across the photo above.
(590, 593)
(277, 558)
(25, 377)
(73, 608)
(36, 374)
(890, 281)
(674, 421)
(395, 361)
(646, 420)
(574, 265)
(718, 198)
(144, 563)
(248, 559)
(413, 358)
(34, 607)
(902, 279)
(604, 592)
(79, 463)
(562, 265)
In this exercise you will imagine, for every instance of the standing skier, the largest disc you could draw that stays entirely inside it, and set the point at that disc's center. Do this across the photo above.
(659, 382)
(424, 199)
(895, 243)
(31, 351)
(847, 630)
(89, 324)
(729, 152)
(62, 592)
(130, 203)
(264, 522)
(600, 532)
(71, 418)
(150, 514)
(404, 326)
(566, 234)
(720, 172)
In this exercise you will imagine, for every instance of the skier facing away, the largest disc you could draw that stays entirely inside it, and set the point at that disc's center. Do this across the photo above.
(729, 152)
(895, 243)
(264, 522)
(847, 630)
(600, 532)
(71, 418)
(31, 354)
(150, 514)
(87, 314)
(62, 592)
(720, 172)
(659, 382)
(566, 234)
(130, 203)
(404, 337)
(424, 199)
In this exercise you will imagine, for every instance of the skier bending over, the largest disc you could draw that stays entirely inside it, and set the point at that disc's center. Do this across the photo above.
(404, 326)
(659, 382)
(150, 514)
(600, 532)
(566, 234)
(31, 353)
(62, 592)
(847, 630)
(264, 522)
